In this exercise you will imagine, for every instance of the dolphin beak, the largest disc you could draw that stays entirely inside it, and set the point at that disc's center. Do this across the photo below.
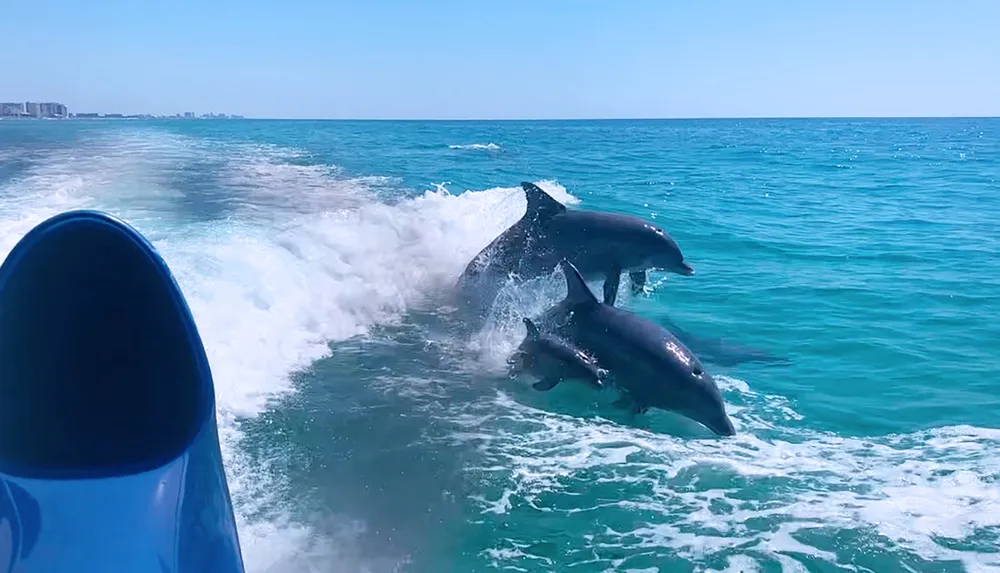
(685, 269)
(722, 427)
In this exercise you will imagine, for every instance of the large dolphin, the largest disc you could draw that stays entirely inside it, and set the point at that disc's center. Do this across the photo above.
(598, 244)
(651, 366)
(721, 351)
(553, 360)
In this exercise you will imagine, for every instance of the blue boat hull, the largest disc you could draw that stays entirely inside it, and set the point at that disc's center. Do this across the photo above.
(109, 450)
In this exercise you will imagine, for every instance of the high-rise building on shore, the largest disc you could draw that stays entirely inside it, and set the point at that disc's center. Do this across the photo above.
(11, 109)
(46, 110)
(52, 109)
(56, 110)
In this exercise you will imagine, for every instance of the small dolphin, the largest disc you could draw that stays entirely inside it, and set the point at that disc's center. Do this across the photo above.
(650, 365)
(553, 360)
(598, 244)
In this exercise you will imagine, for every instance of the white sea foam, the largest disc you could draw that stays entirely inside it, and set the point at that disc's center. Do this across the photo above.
(269, 287)
(480, 146)
(913, 490)
(304, 256)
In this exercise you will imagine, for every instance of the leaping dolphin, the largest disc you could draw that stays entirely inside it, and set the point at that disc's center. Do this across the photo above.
(598, 244)
(553, 360)
(649, 364)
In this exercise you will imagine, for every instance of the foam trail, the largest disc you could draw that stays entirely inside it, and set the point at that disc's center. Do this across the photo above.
(297, 257)
(291, 257)
(269, 301)
(803, 482)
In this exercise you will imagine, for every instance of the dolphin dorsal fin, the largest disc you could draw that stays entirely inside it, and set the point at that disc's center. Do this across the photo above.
(541, 205)
(577, 291)
(532, 329)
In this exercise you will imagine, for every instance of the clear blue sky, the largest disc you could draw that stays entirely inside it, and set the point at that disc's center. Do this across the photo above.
(506, 58)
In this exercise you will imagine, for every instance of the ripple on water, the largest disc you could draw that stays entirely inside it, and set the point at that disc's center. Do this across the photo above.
(606, 496)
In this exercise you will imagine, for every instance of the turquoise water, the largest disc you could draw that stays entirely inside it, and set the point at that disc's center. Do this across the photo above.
(362, 434)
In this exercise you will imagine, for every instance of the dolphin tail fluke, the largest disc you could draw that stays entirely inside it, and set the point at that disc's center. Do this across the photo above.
(577, 291)
(541, 205)
(532, 329)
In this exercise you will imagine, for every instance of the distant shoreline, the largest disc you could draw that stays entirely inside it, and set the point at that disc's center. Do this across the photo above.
(114, 118)
(118, 117)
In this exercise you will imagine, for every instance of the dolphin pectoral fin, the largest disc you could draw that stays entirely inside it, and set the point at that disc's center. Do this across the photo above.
(638, 279)
(611, 281)
(545, 384)
(627, 402)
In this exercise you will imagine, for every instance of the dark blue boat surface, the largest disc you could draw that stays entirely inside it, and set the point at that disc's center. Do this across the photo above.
(109, 451)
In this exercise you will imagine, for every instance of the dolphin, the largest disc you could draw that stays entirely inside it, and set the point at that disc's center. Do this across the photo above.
(649, 364)
(598, 244)
(553, 360)
(720, 351)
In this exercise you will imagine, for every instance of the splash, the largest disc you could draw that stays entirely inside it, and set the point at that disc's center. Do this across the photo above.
(294, 257)
(770, 497)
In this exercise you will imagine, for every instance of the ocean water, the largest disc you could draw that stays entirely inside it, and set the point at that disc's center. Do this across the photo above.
(361, 433)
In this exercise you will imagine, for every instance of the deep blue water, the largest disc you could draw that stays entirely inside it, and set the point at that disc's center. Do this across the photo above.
(361, 434)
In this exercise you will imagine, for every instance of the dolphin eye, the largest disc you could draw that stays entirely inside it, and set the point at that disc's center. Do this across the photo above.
(697, 371)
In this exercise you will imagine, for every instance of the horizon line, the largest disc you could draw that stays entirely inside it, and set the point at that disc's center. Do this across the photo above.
(609, 118)
(626, 118)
